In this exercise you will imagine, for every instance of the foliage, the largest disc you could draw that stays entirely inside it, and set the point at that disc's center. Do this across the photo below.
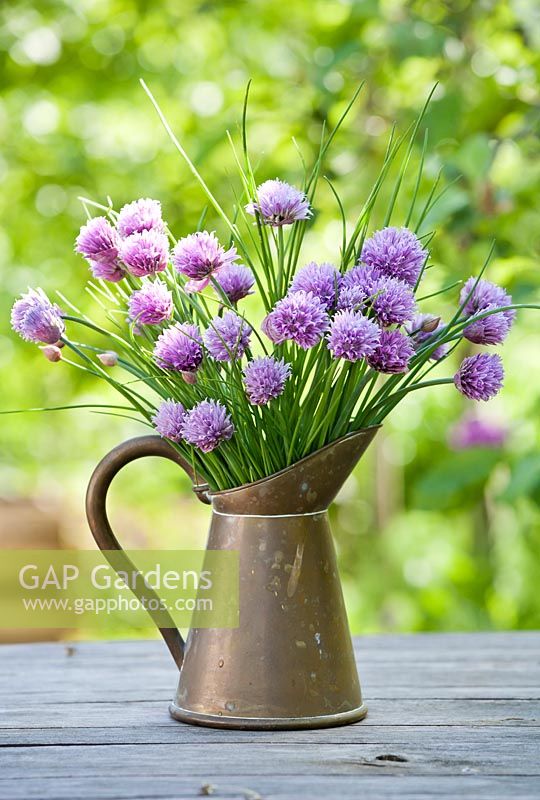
(74, 121)
(329, 394)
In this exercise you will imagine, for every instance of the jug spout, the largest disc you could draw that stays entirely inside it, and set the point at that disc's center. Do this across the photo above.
(306, 487)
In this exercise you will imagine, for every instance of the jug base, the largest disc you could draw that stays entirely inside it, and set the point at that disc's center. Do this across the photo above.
(267, 723)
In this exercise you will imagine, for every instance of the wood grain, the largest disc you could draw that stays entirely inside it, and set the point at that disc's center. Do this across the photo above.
(450, 716)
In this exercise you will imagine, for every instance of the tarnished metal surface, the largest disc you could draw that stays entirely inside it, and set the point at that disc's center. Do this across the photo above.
(291, 656)
(290, 662)
(309, 485)
(96, 513)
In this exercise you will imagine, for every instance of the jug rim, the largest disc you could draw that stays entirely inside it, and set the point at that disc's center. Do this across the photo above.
(291, 467)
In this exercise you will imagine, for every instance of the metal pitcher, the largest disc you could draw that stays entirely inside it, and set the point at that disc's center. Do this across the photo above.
(290, 662)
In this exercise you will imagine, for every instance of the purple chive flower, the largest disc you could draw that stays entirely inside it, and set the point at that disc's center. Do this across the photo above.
(111, 271)
(361, 277)
(207, 425)
(169, 419)
(352, 336)
(472, 431)
(395, 252)
(392, 354)
(145, 253)
(488, 330)
(236, 281)
(485, 297)
(351, 298)
(322, 280)
(179, 348)
(36, 319)
(480, 377)
(485, 294)
(141, 215)
(151, 304)
(264, 379)
(200, 256)
(33, 298)
(227, 337)
(278, 203)
(97, 239)
(299, 317)
(99, 243)
(424, 327)
(391, 300)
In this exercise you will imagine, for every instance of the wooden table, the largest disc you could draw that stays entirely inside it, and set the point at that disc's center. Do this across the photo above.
(451, 716)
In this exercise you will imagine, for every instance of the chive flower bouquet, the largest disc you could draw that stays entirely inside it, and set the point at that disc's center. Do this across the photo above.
(338, 346)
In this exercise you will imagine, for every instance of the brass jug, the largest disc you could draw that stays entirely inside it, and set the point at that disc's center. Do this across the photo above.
(290, 662)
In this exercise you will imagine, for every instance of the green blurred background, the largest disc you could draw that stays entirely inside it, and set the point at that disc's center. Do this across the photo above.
(428, 537)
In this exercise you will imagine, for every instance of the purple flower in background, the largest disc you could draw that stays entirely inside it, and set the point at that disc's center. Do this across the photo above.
(236, 281)
(392, 354)
(424, 327)
(361, 277)
(322, 280)
(97, 240)
(391, 300)
(480, 377)
(299, 317)
(141, 215)
(179, 348)
(395, 252)
(111, 271)
(264, 379)
(199, 256)
(151, 304)
(278, 203)
(145, 253)
(351, 298)
(471, 431)
(488, 330)
(36, 319)
(485, 297)
(207, 425)
(352, 336)
(33, 298)
(169, 420)
(227, 337)
(99, 243)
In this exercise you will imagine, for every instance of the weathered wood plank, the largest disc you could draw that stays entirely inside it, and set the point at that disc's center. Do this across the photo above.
(377, 785)
(74, 658)
(463, 646)
(143, 670)
(432, 756)
(163, 694)
(143, 714)
(359, 734)
(90, 721)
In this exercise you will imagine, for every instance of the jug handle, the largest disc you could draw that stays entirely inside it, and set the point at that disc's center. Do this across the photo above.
(96, 497)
